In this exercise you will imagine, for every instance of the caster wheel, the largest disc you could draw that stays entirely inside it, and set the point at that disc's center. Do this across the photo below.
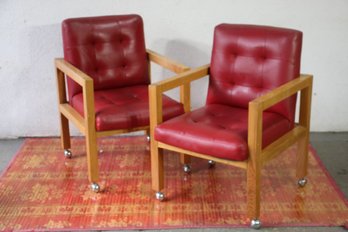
(211, 163)
(95, 187)
(255, 224)
(148, 138)
(187, 168)
(302, 182)
(160, 196)
(67, 153)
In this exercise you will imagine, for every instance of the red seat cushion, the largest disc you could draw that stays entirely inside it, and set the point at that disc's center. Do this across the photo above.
(219, 130)
(124, 108)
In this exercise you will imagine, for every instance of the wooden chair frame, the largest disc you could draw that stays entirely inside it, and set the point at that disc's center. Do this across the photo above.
(86, 124)
(257, 156)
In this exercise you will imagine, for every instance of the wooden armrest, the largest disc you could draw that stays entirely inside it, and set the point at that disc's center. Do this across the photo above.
(85, 81)
(276, 95)
(166, 62)
(258, 105)
(181, 79)
(74, 73)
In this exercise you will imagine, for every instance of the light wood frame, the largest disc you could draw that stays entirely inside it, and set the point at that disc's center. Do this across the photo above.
(86, 123)
(257, 156)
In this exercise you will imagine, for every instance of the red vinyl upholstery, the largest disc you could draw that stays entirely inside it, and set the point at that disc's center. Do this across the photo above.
(127, 107)
(247, 61)
(111, 49)
(218, 130)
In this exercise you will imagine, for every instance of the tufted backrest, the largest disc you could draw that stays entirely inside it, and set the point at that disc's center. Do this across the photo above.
(248, 61)
(111, 49)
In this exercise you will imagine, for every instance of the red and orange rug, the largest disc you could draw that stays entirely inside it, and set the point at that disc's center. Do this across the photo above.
(41, 190)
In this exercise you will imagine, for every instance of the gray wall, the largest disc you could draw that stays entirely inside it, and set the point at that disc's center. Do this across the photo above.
(182, 29)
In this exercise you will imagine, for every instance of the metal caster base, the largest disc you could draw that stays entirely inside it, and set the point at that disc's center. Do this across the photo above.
(187, 168)
(95, 187)
(211, 163)
(255, 224)
(160, 196)
(67, 153)
(302, 182)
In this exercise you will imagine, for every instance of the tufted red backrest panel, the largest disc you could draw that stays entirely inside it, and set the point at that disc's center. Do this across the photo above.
(248, 61)
(111, 49)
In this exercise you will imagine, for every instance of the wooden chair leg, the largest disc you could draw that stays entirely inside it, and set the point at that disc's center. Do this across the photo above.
(253, 192)
(185, 159)
(148, 135)
(92, 160)
(302, 158)
(157, 171)
(65, 133)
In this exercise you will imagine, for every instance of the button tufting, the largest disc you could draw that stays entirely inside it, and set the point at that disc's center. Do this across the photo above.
(234, 54)
(221, 126)
(115, 54)
(263, 57)
(212, 114)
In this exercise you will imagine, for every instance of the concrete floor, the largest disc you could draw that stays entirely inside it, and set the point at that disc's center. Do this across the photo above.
(332, 148)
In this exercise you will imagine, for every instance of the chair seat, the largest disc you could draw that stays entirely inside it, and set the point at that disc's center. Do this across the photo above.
(219, 130)
(125, 108)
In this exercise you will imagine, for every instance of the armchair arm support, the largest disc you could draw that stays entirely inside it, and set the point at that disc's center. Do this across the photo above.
(156, 90)
(182, 78)
(74, 73)
(86, 82)
(176, 68)
(166, 62)
(282, 92)
(258, 105)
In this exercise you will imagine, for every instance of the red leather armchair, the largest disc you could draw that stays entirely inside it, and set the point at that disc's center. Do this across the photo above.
(106, 68)
(249, 116)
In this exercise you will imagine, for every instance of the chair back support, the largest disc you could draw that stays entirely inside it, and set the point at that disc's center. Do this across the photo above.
(248, 61)
(111, 49)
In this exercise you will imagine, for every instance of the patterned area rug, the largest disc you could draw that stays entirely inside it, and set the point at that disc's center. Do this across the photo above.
(41, 190)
